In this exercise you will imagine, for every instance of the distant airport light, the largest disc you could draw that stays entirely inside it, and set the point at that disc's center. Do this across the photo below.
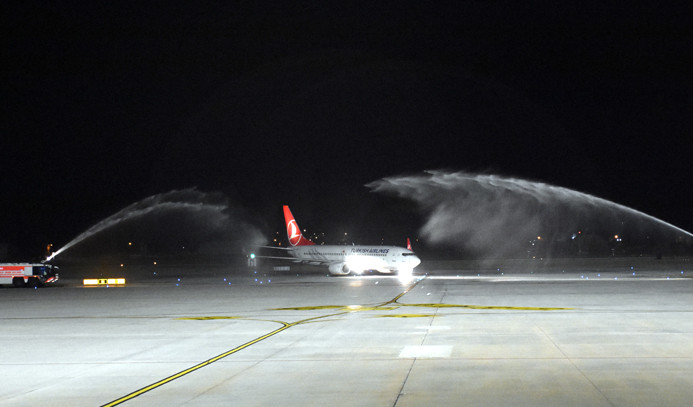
(103, 281)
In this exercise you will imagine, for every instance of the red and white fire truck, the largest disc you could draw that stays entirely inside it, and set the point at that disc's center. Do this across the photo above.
(28, 274)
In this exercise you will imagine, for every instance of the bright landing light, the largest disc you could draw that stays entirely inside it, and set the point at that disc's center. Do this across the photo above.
(405, 275)
(359, 264)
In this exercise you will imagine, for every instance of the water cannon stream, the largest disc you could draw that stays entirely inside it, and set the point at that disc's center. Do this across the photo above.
(211, 207)
(484, 212)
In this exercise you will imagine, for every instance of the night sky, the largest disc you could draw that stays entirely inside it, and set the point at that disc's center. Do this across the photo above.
(304, 105)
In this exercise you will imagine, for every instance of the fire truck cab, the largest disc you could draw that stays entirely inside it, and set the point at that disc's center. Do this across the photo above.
(28, 274)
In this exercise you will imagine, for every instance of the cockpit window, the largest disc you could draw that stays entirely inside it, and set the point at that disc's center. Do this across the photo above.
(408, 254)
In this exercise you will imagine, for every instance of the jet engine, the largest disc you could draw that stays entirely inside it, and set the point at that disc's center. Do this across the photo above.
(339, 269)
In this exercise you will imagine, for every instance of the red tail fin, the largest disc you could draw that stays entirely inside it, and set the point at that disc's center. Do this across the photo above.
(293, 232)
(408, 244)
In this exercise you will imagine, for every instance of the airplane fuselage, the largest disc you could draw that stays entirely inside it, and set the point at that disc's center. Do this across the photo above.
(343, 260)
(358, 259)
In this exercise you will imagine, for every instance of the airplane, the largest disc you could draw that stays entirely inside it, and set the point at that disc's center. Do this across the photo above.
(345, 260)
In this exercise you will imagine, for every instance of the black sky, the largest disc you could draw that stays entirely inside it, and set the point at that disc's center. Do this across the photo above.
(273, 104)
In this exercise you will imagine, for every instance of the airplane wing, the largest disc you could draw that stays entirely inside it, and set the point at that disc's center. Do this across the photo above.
(293, 259)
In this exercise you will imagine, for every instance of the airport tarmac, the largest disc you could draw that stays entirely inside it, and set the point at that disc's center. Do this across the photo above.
(454, 337)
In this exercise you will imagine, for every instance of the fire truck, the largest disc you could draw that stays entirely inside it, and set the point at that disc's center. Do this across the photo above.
(28, 274)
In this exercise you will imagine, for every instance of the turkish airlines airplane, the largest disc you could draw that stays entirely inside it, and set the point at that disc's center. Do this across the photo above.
(344, 260)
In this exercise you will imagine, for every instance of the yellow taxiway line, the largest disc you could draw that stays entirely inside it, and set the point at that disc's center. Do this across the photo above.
(194, 368)
(342, 309)
(285, 326)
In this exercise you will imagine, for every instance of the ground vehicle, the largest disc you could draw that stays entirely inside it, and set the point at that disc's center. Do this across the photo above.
(31, 274)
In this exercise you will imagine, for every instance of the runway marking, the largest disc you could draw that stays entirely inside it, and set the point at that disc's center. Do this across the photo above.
(285, 325)
(196, 367)
(341, 310)
(432, 305)
(394, 304)
(348, 308)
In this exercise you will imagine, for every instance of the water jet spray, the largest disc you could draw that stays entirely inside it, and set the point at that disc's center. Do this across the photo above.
(210, 208)
(491, 213)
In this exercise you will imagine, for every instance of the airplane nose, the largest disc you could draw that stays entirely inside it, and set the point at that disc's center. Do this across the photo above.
(415, 260)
